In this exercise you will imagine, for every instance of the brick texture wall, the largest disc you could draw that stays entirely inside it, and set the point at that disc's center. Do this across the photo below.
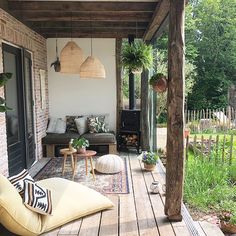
(14, 32)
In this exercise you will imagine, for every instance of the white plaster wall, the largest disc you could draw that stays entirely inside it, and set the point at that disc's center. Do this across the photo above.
(70, 95)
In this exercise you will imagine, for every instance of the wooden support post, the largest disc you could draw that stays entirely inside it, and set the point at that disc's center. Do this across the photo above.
(175, 108)
(119, 98)
(145, 125)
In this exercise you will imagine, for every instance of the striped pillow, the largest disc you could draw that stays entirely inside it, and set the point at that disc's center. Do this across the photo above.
(18, 181)
(37, 199)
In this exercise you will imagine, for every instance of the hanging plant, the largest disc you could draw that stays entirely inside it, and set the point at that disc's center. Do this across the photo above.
(158, 82)
(56, 64)
(136, 56)
(4, 77)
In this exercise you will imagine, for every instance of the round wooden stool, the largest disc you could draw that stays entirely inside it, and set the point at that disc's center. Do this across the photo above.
(87, 155)
(67, 152)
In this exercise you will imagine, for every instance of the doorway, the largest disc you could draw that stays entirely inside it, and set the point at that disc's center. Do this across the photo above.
(19, 120)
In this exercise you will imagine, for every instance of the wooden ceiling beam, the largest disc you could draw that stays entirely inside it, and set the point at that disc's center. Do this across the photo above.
(159, 16)
(96, 16)
(72, 6)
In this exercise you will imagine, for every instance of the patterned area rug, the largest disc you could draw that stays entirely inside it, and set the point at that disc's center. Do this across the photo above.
(104, 183)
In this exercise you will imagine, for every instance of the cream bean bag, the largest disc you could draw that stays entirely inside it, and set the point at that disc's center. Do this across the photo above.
(70, 201)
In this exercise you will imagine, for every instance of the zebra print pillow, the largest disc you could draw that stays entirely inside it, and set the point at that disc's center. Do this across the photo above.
(37, 199)
(18, 181)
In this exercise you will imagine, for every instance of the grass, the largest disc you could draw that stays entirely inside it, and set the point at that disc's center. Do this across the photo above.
(210, 187)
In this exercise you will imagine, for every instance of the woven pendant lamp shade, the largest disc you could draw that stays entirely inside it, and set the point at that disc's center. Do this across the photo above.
(71, 58)
(92, 68)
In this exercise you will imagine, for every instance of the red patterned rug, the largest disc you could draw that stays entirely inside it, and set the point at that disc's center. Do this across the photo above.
(104, 183)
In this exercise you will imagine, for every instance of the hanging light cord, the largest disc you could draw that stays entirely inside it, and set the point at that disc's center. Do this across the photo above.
(91, 36)
(71, 27)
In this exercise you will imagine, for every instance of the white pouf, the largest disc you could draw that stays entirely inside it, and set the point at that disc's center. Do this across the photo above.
(109, 164)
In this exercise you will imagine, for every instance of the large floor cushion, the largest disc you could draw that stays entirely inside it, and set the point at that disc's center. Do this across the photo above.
(13, 214)
(71, 201)
(59, 138)
(100, 138)
(109, 164)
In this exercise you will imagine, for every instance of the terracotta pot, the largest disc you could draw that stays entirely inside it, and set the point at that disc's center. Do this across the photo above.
(160, 85)
(81, 150)
(227, 227)
(149, 167)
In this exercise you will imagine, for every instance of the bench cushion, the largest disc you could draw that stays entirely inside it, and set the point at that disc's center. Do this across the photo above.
(60, 138)
(100, 138)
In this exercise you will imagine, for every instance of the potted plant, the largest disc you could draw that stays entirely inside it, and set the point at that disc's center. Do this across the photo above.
(4, 77)
(158, 82)
(150, 160)
(228, 222)
(80, 144)
(136, 56)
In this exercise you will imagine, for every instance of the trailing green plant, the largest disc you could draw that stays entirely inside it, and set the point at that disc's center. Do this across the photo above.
(4, 77)
(136, 55)
(80, 143)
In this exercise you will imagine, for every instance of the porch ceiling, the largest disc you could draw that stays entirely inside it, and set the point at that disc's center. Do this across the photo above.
(100, 19)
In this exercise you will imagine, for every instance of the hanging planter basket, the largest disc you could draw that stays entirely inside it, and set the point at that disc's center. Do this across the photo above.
(158, 83)
(137, 71)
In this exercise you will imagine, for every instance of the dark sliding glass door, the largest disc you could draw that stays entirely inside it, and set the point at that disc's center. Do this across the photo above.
(18, 94)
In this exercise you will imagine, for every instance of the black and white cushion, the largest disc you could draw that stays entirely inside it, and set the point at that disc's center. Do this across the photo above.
(18, 180)
(37, 198)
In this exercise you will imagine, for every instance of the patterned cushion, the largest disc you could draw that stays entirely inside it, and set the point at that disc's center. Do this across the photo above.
(18, 181)
(37, 198)
(70, 123)
(96, 124)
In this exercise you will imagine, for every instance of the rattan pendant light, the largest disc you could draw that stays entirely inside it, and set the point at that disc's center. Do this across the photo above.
(71, 57)
(92, 68)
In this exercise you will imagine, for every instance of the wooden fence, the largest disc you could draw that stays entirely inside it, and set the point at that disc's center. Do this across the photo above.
(218, 148)
(211, 120)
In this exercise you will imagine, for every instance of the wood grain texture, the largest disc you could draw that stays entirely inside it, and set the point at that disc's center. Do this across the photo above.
(175, 112)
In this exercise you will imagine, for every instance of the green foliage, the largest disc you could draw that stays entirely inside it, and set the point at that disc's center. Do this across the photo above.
(4, 77)
(80, 143)
(207, 186)
(136, 55)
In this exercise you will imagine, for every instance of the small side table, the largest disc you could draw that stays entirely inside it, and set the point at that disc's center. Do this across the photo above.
(67, 152)
(89, 154)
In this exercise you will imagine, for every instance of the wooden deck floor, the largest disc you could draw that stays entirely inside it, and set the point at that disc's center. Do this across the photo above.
(137, 213)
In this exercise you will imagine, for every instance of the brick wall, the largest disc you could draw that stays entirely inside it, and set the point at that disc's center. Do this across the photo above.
(16, 33)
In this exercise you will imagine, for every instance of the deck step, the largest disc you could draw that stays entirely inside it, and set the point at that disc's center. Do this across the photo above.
(208, 228)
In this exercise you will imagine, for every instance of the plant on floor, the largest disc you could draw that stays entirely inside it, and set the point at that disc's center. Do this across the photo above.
(80, 144)
(136, 56)
(149, 159)
(4, 77)
(228, 221)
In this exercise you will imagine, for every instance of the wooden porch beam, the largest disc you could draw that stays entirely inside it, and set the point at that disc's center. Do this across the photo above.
(159, 15)
(175, 112)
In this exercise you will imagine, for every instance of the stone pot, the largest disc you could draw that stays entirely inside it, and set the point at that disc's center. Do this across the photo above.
(149, 167)
(160, 85)
(81, 150)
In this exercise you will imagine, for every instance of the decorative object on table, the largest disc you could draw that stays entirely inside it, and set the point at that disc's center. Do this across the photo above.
(158, 82)
(80, 144)
(155, 187)
(228, 222)
(71, 148)
(105, 183)
(136, 56)
(109, 164)
(71, 58)
(56, 64)
(149, 159)
(4, 77)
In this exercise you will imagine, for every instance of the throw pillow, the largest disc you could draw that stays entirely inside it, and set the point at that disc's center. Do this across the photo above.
(18, 180)
(37, 198)
(57, 126)
(96, 124)
(82, 125)
(70, 123)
